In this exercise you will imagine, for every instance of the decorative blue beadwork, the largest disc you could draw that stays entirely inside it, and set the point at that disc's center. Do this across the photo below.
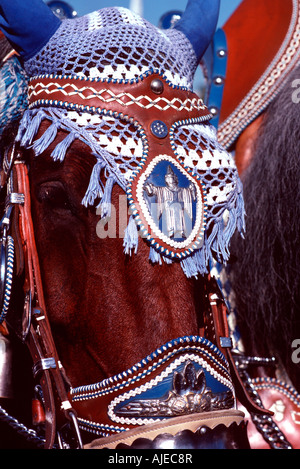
(135, 36)
(186, 344)
(159, 129)
(8, 276)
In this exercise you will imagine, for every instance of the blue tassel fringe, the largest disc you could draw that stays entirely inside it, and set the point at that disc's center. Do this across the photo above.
(95, 189)
(131, 238)
(61, 148)
(105, 204)
(198, 263)
(40, 145)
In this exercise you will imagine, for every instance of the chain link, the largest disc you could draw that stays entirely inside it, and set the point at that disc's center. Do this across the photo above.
(264, 424)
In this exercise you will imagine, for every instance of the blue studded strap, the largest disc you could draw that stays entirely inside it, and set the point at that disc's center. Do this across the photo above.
(216, 64)
(7, 267)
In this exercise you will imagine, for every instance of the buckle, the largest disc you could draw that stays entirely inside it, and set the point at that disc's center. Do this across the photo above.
(15, 198)
(43, 364)
(69, 437)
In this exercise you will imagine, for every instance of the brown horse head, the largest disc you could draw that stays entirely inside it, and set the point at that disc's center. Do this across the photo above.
(89, 125)
(124, 256)
(108, 310)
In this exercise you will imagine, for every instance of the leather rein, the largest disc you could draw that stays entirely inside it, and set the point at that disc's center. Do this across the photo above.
(57, 410)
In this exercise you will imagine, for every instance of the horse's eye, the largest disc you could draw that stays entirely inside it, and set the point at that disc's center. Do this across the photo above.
(54, 196)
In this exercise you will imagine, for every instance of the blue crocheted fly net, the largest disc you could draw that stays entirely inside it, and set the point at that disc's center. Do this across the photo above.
(115, 43)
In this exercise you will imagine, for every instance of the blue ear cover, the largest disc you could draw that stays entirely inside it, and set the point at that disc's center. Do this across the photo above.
(199, 23)
(27, 24)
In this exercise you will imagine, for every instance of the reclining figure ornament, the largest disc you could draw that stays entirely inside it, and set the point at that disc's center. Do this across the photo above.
(189, 395)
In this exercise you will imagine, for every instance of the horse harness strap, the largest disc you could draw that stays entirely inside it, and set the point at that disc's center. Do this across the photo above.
(36, 330)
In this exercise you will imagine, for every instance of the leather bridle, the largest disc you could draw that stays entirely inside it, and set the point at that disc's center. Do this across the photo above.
(36, 331)
(58, 412)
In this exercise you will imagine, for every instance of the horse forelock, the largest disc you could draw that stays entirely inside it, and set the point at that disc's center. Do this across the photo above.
(266, 276)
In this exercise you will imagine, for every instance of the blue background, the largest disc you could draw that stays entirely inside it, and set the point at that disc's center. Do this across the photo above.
(153, 9)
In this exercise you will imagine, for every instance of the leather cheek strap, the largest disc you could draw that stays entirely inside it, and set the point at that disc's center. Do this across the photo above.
(217, 328)
(46, 364)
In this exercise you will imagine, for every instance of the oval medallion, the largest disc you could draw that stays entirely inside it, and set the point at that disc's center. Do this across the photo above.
(168, 204)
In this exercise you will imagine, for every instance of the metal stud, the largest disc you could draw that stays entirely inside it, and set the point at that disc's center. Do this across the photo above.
(222, 53)
(157, 86)
(218, 80)
(214, 111)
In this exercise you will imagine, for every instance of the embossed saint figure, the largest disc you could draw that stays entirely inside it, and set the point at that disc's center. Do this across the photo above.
(176, 203)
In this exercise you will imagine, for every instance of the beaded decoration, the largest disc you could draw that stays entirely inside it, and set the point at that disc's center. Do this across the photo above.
(113, 45)
(187, 375)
